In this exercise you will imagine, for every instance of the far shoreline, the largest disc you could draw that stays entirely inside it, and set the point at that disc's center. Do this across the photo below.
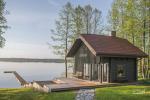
(40, 60)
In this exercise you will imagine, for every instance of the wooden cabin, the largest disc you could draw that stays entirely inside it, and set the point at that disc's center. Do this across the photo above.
(105, 58)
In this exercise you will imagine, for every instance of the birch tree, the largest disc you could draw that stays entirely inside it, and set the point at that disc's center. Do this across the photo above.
(86, 20)
(97, 26)
(78, 22)
(62, 32)
(92, 20)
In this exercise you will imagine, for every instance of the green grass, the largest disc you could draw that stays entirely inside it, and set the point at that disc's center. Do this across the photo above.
(130, 92)
(123, 93)
(29, 94)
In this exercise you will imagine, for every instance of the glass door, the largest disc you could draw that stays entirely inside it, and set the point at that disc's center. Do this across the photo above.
(86, 71)
(99, 72)
(105, 73)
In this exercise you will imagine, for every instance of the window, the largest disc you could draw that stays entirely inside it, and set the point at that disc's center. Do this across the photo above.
(121, 71)
(82, 53)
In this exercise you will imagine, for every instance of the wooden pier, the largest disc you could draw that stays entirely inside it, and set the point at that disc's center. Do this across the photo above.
(18, 77)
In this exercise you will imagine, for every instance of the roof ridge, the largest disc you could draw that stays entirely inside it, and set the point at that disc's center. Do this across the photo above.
(94, 34)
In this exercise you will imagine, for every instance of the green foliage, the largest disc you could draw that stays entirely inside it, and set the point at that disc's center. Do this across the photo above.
(3, 21)
(131, 20)
(78, 23)
(63, 30)
(72, 22)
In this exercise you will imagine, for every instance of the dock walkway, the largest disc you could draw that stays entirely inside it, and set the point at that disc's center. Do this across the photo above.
(18, 77)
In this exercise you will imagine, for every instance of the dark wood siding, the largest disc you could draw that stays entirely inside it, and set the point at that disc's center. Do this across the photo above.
(82, 56)
(130, 68)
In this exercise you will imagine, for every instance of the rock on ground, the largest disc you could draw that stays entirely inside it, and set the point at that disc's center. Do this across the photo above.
(85, 94)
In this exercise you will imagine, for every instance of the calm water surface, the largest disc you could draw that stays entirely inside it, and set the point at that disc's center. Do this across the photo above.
(29, 71)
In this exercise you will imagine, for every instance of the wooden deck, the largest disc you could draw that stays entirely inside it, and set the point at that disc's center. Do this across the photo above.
(70, 84)
(76, 84)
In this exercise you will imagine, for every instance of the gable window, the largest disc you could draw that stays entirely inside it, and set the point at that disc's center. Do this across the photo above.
(121, 71)
(82, 53)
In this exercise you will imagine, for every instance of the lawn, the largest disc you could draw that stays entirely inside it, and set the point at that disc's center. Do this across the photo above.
(130, 92)
(123, 93)
(29, 94)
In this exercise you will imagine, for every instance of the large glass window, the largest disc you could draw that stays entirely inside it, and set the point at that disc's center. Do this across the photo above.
(121, 71)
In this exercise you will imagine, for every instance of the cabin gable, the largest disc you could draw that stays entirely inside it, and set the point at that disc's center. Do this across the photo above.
(81, 57)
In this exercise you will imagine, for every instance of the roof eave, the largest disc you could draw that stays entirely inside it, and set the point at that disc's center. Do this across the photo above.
(121, 55)
(69, 54)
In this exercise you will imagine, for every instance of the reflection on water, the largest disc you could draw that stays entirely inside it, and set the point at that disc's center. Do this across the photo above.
(29, 71)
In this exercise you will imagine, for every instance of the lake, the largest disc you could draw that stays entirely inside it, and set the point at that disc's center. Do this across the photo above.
(29, 71)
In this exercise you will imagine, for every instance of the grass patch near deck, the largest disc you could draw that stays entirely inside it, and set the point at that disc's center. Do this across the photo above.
(130, 92)
(29, 94)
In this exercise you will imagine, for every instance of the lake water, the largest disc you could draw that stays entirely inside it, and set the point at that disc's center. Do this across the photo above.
(29, 71)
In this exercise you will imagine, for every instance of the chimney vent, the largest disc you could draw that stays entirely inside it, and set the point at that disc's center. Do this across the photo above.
(113, 33)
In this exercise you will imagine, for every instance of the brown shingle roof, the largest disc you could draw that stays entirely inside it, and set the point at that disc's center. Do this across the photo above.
(106, 46)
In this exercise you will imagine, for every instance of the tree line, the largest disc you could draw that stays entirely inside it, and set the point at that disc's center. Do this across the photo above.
(131, 20)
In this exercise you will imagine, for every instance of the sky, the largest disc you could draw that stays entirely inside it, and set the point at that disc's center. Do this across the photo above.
(30, 22)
